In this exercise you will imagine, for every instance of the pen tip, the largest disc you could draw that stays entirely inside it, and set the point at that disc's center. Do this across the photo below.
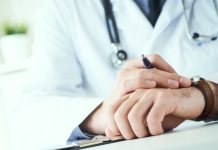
(143, 55)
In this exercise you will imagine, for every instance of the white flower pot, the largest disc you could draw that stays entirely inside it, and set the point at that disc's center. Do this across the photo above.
(15, 48)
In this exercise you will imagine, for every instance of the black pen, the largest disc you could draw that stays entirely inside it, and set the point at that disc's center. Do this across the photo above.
(146, 62)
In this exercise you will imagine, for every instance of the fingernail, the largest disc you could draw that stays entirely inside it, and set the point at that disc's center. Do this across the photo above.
(185, 81)
(150, 83)
(173, 83)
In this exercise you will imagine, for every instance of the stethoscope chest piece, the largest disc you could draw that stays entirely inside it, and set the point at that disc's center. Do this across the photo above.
(118, 56)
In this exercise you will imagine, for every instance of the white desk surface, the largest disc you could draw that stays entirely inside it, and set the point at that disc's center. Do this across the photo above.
(191, 137)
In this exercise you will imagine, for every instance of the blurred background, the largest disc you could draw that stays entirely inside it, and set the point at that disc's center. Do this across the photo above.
(17, 20)
(17, 14)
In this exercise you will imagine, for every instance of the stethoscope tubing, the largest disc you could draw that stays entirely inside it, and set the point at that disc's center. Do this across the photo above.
(119, 55)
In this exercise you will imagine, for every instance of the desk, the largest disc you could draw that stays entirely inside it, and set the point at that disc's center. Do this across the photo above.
(10, 82)
(3, 126)
(197, 137)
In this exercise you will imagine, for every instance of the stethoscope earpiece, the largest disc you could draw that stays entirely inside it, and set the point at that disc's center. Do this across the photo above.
(214, 38)
(195, 35)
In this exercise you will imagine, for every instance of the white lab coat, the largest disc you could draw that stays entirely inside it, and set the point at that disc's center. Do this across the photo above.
(71, 72)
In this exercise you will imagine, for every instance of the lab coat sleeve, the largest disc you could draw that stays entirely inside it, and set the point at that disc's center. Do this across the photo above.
(78, 134)
(54, 102)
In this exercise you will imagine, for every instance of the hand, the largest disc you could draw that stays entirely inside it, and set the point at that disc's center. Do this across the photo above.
(134, 76)
(131, 77)
(153, 111)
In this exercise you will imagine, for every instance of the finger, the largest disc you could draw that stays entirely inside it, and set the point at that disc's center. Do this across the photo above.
(111, 136)
(156, 60)
(122, 119)
(112, 124)
(165, 79)
(121, 115)
(114, 130)
(137, 116)
(159, 63)
(146, 79)
(134, 83)
(109, 133)
(155, 118)
(133, 64)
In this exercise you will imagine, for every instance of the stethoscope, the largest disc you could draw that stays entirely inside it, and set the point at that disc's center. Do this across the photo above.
(199, 38)
(119, 56)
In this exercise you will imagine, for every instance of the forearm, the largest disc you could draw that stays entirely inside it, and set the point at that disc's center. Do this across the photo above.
(95, 123)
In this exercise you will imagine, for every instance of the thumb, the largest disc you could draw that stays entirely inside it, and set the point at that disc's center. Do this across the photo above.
(159, 63)
(156, 60)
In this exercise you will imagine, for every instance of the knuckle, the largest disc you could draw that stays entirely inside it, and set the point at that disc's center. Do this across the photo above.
(150, 120)
(173, 76)
(131, 117)
(138, 83)
(150, 92)
(140, 74)
(149, 74)
(160, 96)
(113, 128)
(138, 92)
(134, 117)
(118, 115)
(159, 99)
(137, 124)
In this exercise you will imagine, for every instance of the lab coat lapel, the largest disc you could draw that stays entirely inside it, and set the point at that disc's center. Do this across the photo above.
(130, 19)
(171, 10)
(128, 14)
(133, 26)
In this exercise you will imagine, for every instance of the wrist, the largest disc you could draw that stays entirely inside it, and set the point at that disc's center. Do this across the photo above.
(93, 124)
(199, 102)
(209, 98)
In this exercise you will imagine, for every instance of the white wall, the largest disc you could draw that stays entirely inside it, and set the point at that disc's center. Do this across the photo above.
(4, 10)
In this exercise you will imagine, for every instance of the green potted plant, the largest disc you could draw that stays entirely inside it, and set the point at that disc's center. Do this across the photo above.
(15, 43)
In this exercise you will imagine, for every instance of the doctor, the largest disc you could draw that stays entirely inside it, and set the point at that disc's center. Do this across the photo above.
(76, 89)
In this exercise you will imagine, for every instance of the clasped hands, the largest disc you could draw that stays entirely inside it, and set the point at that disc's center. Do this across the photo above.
(145, 102)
